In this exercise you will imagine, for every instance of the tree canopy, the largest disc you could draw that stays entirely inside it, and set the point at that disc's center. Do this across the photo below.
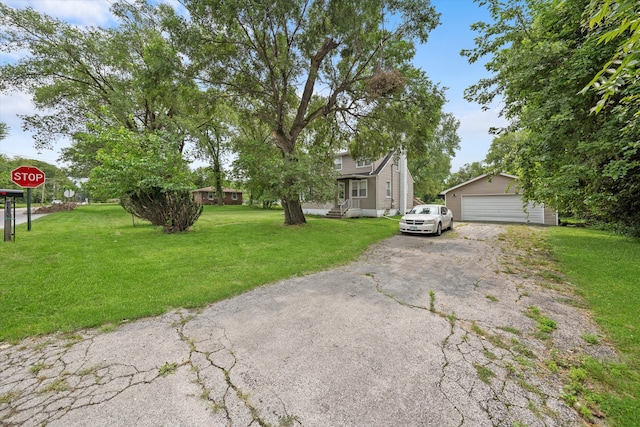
(129, 76)
(430, 167)
(620, 21)
(290, 64)
(542, 54)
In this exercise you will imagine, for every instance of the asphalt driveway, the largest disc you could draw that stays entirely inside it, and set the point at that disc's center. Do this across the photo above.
(420, 331)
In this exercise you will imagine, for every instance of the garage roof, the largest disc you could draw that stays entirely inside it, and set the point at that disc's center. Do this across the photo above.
(476, 179)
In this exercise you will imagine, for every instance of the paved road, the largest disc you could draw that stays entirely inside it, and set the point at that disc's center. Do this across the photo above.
(21, 216)
(420, 331)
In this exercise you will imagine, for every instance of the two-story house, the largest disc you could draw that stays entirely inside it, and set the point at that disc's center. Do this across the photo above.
(368, 188)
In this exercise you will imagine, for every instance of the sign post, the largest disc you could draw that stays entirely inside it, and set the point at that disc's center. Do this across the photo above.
(28, 177)
(9, 219)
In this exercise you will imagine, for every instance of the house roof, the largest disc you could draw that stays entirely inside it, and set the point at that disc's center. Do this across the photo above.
(208, 189)
(476, 179)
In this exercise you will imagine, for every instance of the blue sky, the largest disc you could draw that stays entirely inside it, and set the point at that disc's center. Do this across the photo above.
(439, 58)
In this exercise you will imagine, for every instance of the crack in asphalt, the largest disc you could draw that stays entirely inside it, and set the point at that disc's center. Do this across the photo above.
(231, 388)
(43, 387)
(39, 387)
(509, 378)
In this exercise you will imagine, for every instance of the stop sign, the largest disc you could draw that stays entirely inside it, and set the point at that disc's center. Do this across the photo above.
(27, 176)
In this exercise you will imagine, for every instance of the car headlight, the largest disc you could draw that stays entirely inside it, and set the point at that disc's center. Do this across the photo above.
(403, 221)
(429, 221)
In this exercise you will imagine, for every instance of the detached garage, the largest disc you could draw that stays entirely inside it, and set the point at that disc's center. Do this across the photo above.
(495, 198)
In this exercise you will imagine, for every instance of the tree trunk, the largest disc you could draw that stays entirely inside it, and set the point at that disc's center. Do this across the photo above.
(217, 171)
(293, 214)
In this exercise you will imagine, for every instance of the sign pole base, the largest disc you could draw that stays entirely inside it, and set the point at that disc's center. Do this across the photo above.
(28, 209)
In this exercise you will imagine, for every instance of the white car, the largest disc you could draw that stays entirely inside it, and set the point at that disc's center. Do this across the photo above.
(427, 219)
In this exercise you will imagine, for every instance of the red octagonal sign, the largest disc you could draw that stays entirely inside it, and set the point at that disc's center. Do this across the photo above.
(27, 176)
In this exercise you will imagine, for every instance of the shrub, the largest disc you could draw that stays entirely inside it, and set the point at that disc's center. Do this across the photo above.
(174, 210)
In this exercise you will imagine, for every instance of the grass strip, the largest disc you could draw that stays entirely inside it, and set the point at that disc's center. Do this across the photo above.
(605, 270)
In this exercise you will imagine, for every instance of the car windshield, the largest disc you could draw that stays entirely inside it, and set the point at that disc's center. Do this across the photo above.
(424, 210)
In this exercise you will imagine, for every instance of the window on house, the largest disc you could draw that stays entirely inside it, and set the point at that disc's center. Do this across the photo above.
(359, 189)
(337, 163)
(211, 195)
(363, 163)
(234, 196)
(388, 189)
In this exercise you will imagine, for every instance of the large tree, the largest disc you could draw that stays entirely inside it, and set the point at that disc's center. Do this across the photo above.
(290, 63)
(430, 168)
(118, 93)
(128, 76)
(261, 168)
(503, 152)
(465, 173)
(542, 55)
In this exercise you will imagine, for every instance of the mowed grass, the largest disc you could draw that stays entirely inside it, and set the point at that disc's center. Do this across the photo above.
(93, 266)
(605, 270)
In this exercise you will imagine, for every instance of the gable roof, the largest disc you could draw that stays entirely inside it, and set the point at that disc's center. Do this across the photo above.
(476, 179)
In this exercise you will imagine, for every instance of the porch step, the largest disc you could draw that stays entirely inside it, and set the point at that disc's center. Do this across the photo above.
(334, 213)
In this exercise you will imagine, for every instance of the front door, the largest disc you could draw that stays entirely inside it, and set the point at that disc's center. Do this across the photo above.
(341, 192)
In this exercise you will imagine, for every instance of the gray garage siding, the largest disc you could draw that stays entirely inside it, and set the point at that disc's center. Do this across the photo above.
(503, 207)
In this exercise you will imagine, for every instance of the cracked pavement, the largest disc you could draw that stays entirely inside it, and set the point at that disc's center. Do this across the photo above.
(420, 331)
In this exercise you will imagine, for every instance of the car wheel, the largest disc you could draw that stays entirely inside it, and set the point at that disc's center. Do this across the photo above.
(451, 224)
(439, 229)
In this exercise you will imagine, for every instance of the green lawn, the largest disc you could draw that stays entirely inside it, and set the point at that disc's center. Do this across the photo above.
(605, 271)
(92, 266)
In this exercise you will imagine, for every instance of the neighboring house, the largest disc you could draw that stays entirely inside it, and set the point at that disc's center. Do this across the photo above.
(368, 188)
(495, 198)
(207, 196)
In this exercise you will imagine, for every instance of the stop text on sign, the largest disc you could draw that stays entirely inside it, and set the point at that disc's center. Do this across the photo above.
(28, 176)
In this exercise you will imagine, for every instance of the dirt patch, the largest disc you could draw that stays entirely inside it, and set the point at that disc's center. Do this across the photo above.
(59, 207)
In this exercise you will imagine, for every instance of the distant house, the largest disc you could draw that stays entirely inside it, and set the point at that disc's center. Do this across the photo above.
(368, 188)
(207, 196)
(495, 198)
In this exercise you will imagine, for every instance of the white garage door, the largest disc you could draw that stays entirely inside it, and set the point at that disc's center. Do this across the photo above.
(506, 208)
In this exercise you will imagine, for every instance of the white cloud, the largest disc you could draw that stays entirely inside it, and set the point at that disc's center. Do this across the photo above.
(15, 103)
(77, 12)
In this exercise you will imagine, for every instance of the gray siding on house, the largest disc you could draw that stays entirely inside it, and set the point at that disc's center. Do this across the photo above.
(377, 174)
(388, 174)
(349, 166)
